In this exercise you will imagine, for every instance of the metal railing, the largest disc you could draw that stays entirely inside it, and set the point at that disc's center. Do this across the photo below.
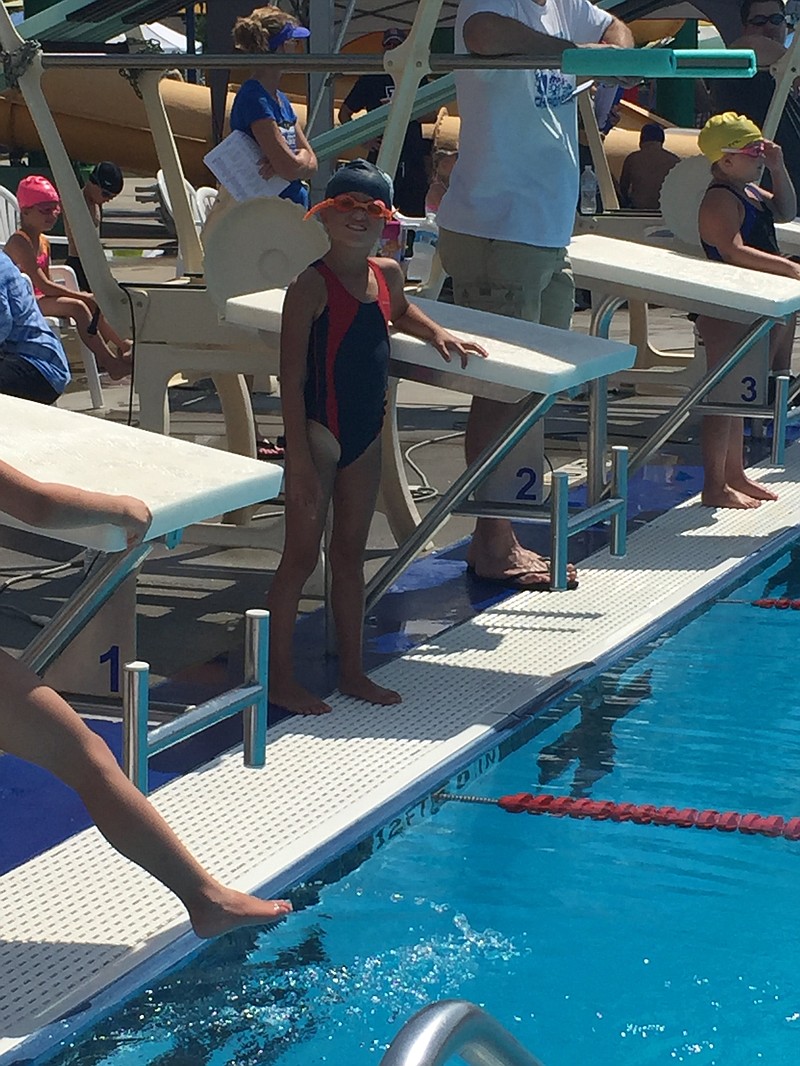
(456, 1027)
(139, 743)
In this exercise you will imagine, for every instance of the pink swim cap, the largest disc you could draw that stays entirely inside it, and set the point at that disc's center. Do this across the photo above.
(36, 189)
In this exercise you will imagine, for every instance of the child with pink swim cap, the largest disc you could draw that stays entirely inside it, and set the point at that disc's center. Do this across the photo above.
(40, 207)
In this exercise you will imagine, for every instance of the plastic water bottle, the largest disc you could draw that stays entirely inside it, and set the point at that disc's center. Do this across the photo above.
(588, 191)
(425, 240)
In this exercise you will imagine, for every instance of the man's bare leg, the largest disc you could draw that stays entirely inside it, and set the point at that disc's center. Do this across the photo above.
(494, 552)
(37, 725)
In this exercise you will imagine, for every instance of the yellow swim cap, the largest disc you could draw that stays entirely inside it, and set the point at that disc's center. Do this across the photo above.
(728, 130)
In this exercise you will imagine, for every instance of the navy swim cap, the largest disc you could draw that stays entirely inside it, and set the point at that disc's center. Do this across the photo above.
(361, 176)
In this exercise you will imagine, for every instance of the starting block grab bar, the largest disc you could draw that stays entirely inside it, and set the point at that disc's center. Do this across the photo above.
(139, 743)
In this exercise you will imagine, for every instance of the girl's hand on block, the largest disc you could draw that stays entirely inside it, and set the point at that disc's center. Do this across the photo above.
(444, 342)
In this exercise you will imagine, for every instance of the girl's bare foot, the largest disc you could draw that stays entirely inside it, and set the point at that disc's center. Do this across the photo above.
(293, 697)
(728, 497)
(363, 688)
(753, 489)
(223, 909)
(117, 366)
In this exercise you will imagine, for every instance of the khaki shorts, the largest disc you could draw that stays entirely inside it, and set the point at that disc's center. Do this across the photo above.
(507, 278)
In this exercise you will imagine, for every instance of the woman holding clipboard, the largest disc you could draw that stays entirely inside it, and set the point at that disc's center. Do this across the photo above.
(261, 110)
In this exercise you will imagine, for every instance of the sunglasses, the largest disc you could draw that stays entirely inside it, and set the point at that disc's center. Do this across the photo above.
(761, 20)
(49, 209)
(754, 150)
(344, 202)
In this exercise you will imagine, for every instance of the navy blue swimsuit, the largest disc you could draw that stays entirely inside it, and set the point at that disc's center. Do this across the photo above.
(757, 229)
(347, 368)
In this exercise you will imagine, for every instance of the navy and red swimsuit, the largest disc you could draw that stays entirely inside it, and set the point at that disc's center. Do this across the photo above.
(347, 367)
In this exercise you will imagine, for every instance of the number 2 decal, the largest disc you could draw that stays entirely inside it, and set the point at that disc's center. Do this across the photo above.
(527, 491)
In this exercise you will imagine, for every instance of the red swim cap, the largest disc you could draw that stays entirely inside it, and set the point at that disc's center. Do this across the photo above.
(36, 189)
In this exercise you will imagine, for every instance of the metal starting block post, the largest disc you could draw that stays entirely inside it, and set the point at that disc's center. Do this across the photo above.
(562, 527)
(139, 744)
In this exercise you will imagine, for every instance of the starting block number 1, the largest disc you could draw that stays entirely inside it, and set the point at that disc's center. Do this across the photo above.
(112, 658)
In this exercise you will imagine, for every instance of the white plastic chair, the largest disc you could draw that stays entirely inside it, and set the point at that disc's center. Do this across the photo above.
(206, 198)
(64, 275)
(9, 214)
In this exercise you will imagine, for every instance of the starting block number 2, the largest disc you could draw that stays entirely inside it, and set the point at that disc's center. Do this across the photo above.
(527, 492)
(112, 658)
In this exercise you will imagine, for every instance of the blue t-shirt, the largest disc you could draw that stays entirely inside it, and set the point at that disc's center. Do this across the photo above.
(253, 102)
(23, 330)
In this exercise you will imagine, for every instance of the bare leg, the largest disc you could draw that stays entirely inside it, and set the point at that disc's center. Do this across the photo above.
(725, 483)
(354, 495)
(304, 527)
(124, 346)
(38, 726)
(69, 307)
(781, 340)
(495, 551)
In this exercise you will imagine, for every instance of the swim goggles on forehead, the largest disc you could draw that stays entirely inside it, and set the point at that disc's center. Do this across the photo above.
(756, 149)
(345, 202)
(761, 20)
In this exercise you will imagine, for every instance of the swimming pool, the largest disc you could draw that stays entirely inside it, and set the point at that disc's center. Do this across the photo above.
(593, 942)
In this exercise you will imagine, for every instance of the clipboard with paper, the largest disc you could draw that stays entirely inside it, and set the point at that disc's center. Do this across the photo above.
(234, 162)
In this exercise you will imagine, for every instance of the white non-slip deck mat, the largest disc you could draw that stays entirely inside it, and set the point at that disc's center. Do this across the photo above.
(79, 917)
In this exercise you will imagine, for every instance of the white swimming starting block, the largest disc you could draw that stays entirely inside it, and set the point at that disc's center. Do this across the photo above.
(616, 271)
(528, 366)
(181, 483)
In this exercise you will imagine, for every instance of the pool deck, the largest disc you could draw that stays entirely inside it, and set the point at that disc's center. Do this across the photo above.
(82, 927)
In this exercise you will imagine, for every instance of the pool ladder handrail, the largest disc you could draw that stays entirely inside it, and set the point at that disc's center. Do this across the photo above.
(456, 1027)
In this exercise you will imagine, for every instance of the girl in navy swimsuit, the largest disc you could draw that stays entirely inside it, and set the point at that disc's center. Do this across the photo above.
(736, 221)
(334, 371)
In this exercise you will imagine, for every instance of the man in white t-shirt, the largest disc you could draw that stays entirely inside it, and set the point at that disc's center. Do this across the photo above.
(508, 214)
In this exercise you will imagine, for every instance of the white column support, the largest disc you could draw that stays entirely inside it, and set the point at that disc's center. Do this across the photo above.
(191, 251)
(109, 295)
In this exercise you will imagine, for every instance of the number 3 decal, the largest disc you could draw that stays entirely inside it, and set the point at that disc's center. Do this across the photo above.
(527, 492)
(750, 389)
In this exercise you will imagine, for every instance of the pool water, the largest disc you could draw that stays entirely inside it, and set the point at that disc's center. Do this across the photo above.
(593, 942)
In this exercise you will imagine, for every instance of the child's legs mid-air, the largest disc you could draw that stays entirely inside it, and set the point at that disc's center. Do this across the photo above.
(37, 725)
(70, 307)
(725, 483)
(305, 523)
(355, 492)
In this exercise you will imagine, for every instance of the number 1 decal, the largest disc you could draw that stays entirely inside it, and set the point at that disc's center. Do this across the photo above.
(112, 658)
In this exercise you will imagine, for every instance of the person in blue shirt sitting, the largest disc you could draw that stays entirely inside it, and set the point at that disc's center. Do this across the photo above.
(33, 365)
(261, 110)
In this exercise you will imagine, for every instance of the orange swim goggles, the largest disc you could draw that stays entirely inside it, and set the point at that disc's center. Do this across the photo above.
(344, 202)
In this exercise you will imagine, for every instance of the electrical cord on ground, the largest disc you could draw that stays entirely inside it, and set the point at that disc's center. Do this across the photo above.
(38, 620)
(425, 491)
(19, 578)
